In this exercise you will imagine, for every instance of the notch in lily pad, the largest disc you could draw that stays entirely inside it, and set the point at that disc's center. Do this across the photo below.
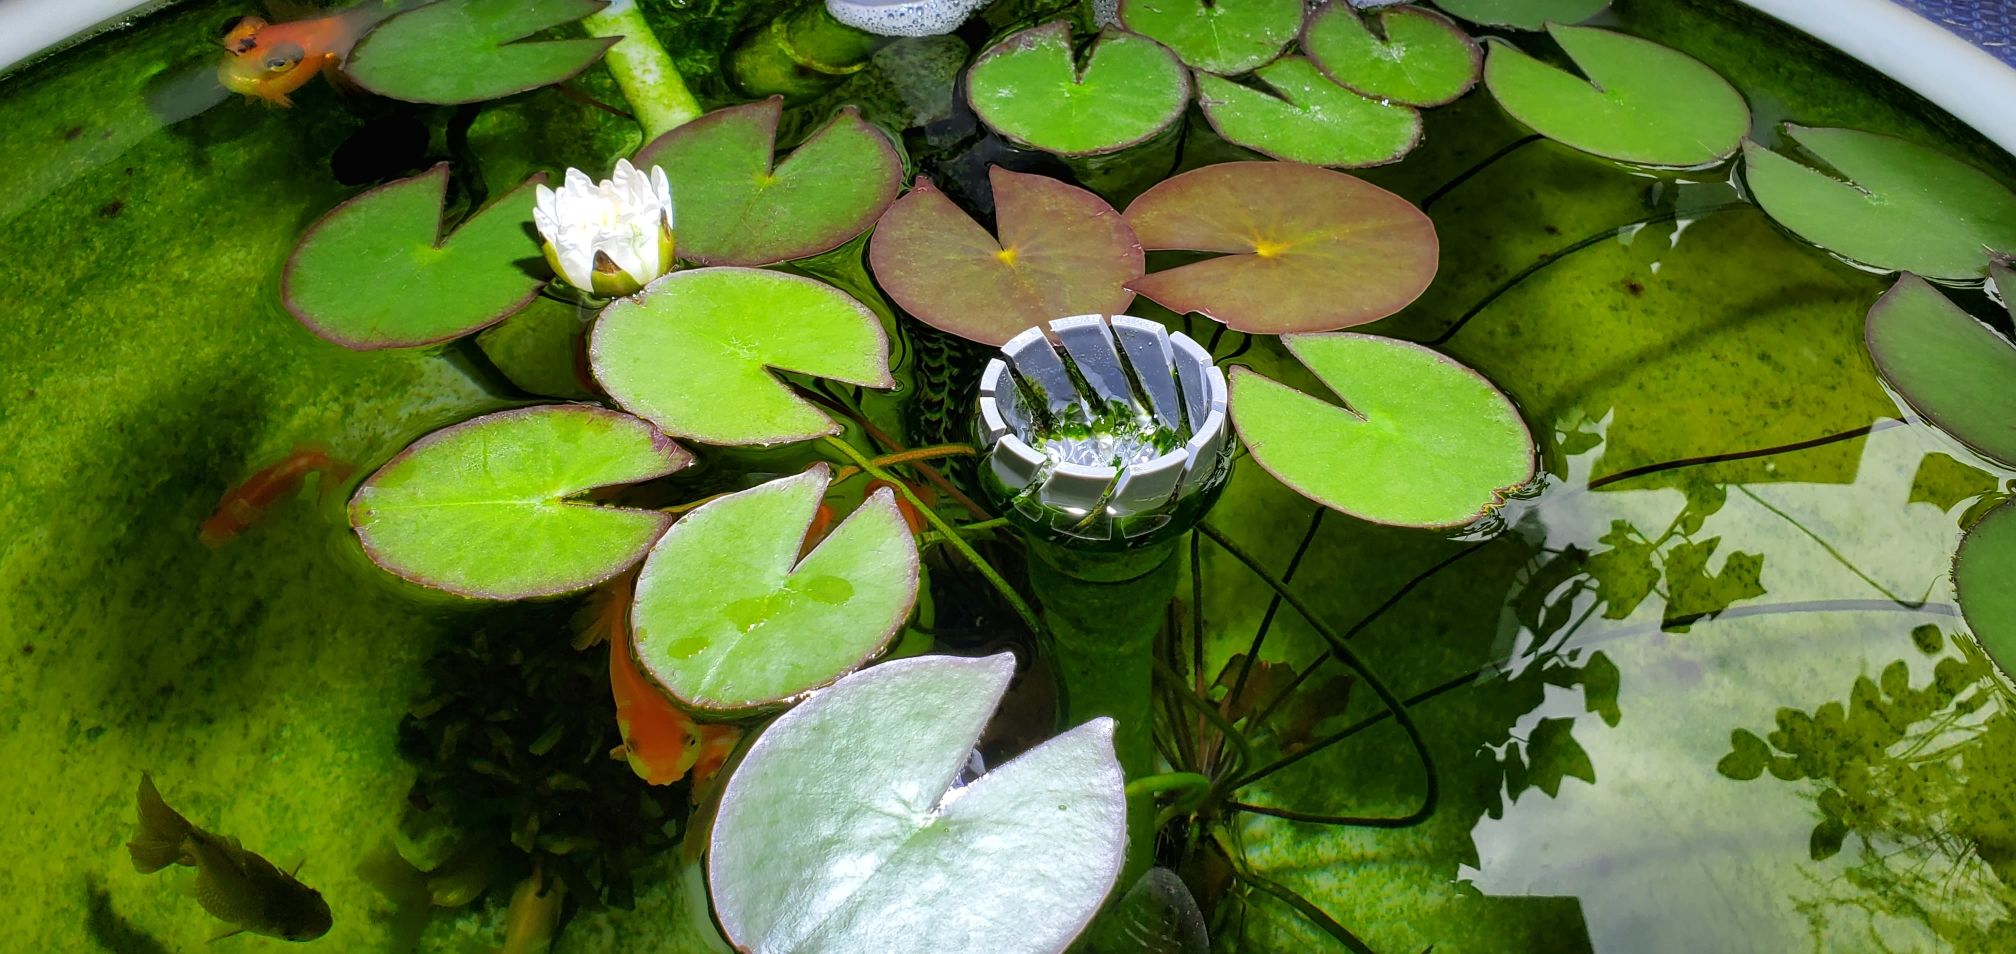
(1886, 203)
(729, 620)
(1304, 117)
(1959, 373)
(467, 51)
(694, 353)
(1523, 14)
(1643, 104)
(1982, 571)
(493, 508)
(846, 828)
(1061, 251)
(1029, 88)
(1420, 441)
(1301, 248)
(738, 205)
(1225, 37)
(376, 272)
(1404, 55)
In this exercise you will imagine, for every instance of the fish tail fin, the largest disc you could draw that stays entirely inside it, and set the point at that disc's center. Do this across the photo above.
(157, 842)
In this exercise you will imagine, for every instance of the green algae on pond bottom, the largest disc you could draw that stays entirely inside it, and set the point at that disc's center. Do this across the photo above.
(1580, 677)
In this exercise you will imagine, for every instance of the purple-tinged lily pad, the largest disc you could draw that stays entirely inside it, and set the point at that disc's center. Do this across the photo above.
(1421, 440)
(1895, 205)
(1523, 14)
(1028, 88)
(1984, 581)
(694, 353)
(1307, 118)
(845, 829)
(468, 51)
(1062, 251)
(1403, 55)
(375, 272)
(488, 508)
(728, 619)
(1304, 248)
(1642, 103)
(1955, 370)
(1216, 36)
(736, 205)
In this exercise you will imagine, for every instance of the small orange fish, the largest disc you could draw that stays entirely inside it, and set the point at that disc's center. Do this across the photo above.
(243, 505)
(270, 60)
(661, 742)
(911, 515)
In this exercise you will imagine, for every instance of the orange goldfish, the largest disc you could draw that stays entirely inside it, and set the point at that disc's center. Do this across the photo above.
(661, 742)
(270, 60)
(911, 515)
(243, 505)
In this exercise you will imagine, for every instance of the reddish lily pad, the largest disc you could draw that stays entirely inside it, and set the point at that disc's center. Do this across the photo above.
(376, 272)
(1305, 248)
(1308, 118)
(1955, 370)
(468, 51)
(1523, 14)
(488, 508)
(1217, 36)
(1062, 251)
(1027, 88)
(1421, 440)
(694, 353)
(1403, 54)
(1642, 103)
(736, 205)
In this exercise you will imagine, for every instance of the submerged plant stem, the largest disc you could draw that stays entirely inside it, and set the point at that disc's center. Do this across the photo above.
(952, 537)
(643, 70)
(1432, 795)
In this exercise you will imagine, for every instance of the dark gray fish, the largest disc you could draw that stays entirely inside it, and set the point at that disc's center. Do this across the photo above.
(235, 885)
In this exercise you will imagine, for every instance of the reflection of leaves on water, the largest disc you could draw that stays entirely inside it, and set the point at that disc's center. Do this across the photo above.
(1692, 592)
(1921, 777)
(1549, 754)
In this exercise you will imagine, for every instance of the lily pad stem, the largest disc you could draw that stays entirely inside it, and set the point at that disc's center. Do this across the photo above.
(951, 535)
(643, 70)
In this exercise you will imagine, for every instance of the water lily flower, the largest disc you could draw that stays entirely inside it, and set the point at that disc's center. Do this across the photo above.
(609, 238)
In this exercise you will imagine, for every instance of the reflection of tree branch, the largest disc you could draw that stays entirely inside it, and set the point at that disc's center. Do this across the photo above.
(1824, 545)
(1808, 444)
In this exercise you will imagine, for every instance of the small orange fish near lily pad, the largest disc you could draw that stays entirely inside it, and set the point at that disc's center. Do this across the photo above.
(245, 504)
(270, 60)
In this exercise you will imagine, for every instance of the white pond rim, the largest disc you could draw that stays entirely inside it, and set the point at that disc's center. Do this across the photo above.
(1923, 56)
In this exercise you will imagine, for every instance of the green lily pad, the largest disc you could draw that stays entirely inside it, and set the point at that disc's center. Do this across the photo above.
(1523, 14)
(1421, 440)
(840, 830)
(1982, 572)
(692, 353)
(1062, 251)
(1219, 36)
(1027, 88)
(1894, 205)
(728, 619)
(1310, 119)
(1642, 103)
(736, 205)
(1955, 370)
(487, 508)
(468, 51)
(375, 272)
(1403, 54)
(1304, 248)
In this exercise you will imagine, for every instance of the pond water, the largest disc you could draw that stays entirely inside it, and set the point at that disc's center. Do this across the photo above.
(1738, 533)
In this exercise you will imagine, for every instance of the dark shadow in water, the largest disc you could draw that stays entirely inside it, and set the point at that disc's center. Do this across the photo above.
(111, 930)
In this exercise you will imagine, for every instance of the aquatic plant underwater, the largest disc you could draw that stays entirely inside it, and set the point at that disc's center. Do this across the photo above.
(846, 415)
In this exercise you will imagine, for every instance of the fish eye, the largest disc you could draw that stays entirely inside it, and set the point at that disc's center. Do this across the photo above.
(283, 58)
